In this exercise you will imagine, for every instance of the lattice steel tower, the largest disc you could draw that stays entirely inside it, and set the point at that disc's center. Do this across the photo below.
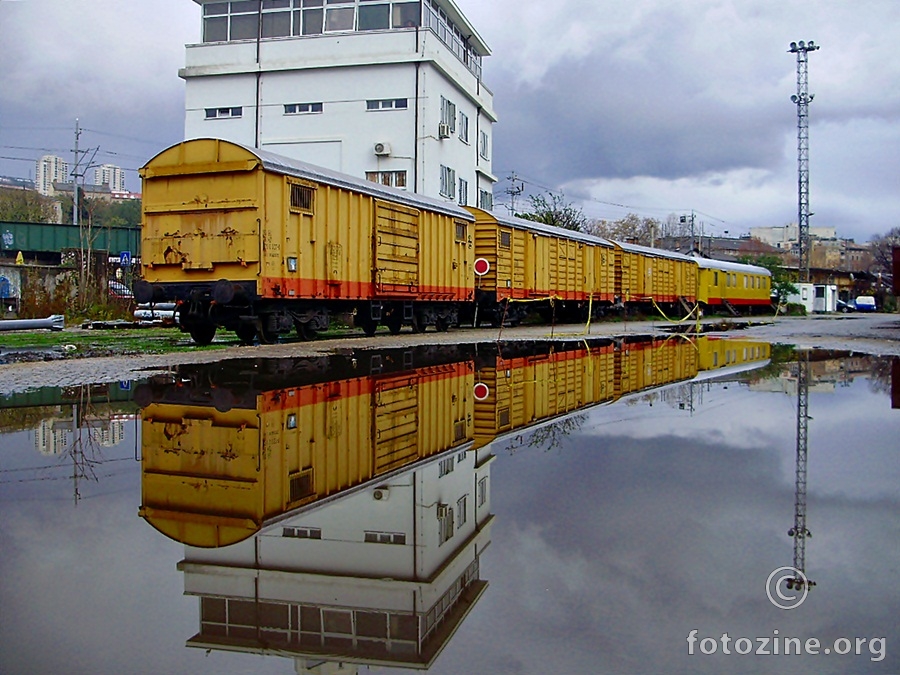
(802, 99)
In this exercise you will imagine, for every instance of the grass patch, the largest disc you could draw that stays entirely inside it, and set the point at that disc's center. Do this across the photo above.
(116, 341)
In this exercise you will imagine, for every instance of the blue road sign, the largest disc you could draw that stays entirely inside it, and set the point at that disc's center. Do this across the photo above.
(125, 259)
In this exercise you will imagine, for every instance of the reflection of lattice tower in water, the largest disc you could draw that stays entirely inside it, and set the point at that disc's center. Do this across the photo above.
(802, 99)
(799, 532)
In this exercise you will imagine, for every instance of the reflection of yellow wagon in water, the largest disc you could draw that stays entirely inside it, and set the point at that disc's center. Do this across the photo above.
(338, 508)
(223, 453)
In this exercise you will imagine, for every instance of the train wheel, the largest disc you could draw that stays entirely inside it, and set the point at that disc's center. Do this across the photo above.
(246, 333)
(394, 323)
(418, 326)
(305, 331)
(202, 333)
(368, 325)
(441, 324)
(266, 336)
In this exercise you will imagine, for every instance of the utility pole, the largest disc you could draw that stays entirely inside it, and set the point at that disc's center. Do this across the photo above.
(684, 221)
(802, 99)
(514, 191)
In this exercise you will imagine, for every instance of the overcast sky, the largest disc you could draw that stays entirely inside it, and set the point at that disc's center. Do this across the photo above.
(643, 106)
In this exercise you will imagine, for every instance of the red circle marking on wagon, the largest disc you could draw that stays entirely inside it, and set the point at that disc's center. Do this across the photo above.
(481, 391)
(482, 266)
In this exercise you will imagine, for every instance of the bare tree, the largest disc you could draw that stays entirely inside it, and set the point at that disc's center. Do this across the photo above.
(882, 249)
(555, 210)
(632, 228)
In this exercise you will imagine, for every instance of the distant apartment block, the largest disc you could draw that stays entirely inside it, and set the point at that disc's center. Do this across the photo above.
(111, 175)
(385, 90)
(787, 236)
(50, 169)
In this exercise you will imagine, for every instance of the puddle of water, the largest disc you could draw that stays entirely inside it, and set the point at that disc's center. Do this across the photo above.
(481, 508)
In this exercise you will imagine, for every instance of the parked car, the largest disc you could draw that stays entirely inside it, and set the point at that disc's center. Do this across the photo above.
(845, 306)
(865, 303)
(119, 291)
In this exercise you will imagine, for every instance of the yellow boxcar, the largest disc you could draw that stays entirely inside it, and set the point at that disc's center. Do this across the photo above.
(260, 244)
(529, 262)
(734, 285)
(647, 275)
(212, 477)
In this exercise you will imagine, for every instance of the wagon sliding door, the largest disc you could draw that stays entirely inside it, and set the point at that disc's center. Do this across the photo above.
(396, 249)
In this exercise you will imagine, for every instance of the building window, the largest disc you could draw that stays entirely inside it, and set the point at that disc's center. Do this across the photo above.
(463, 127)
(387, 104)
(461, 510)
(302, 108)
(463, 191)
(385, 537)
(302, 198)
(223, 113)
(485, 200)
(445, 522)
(240, 19)
(448, 182)
(481, 497)
(302, 532)
(448, 114)
(445, 466)
(395, 179)
(483, 144)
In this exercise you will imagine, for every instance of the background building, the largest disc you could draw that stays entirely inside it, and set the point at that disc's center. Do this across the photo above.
(389, 90)
(111, 175)
(50, 169)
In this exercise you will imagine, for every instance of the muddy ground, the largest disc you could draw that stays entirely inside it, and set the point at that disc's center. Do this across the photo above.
(877, 334)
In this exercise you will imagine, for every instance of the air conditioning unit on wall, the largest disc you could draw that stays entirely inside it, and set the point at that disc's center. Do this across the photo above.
(443, 130)
(382, 149)
(381, 494)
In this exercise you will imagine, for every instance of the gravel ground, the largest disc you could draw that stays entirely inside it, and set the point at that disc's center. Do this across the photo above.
(877, 334)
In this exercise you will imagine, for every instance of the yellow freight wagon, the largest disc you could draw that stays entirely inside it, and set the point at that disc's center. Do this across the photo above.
(259, 244)
(211, 476)
(560, 271)
(718, 354)
(648, 275)
(730, 285)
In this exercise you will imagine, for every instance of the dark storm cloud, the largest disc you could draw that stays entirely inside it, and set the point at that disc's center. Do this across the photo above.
(591, 120)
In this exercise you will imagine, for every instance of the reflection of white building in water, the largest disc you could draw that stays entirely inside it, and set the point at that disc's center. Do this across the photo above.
(379, 575)
(56, 435)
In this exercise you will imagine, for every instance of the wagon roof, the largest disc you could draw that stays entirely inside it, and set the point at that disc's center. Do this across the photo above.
(654, 252)
(288, 166)
(543, 228)
(709, 263)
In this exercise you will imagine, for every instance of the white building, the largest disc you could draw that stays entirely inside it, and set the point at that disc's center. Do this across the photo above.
(388, 90)
(787, 236)
(112, 175)
(48, 170)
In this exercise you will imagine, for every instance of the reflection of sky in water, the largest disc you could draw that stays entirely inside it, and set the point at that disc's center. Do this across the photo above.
(639, 525)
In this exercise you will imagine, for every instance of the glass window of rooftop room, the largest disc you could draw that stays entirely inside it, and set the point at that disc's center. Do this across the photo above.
(339, 19)
(244, 27)
(276, 4)
(405, 14)
(212, 8)
(215, 29)
(374, 17)
(312, 22)
(276, 24)
(244, 6)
